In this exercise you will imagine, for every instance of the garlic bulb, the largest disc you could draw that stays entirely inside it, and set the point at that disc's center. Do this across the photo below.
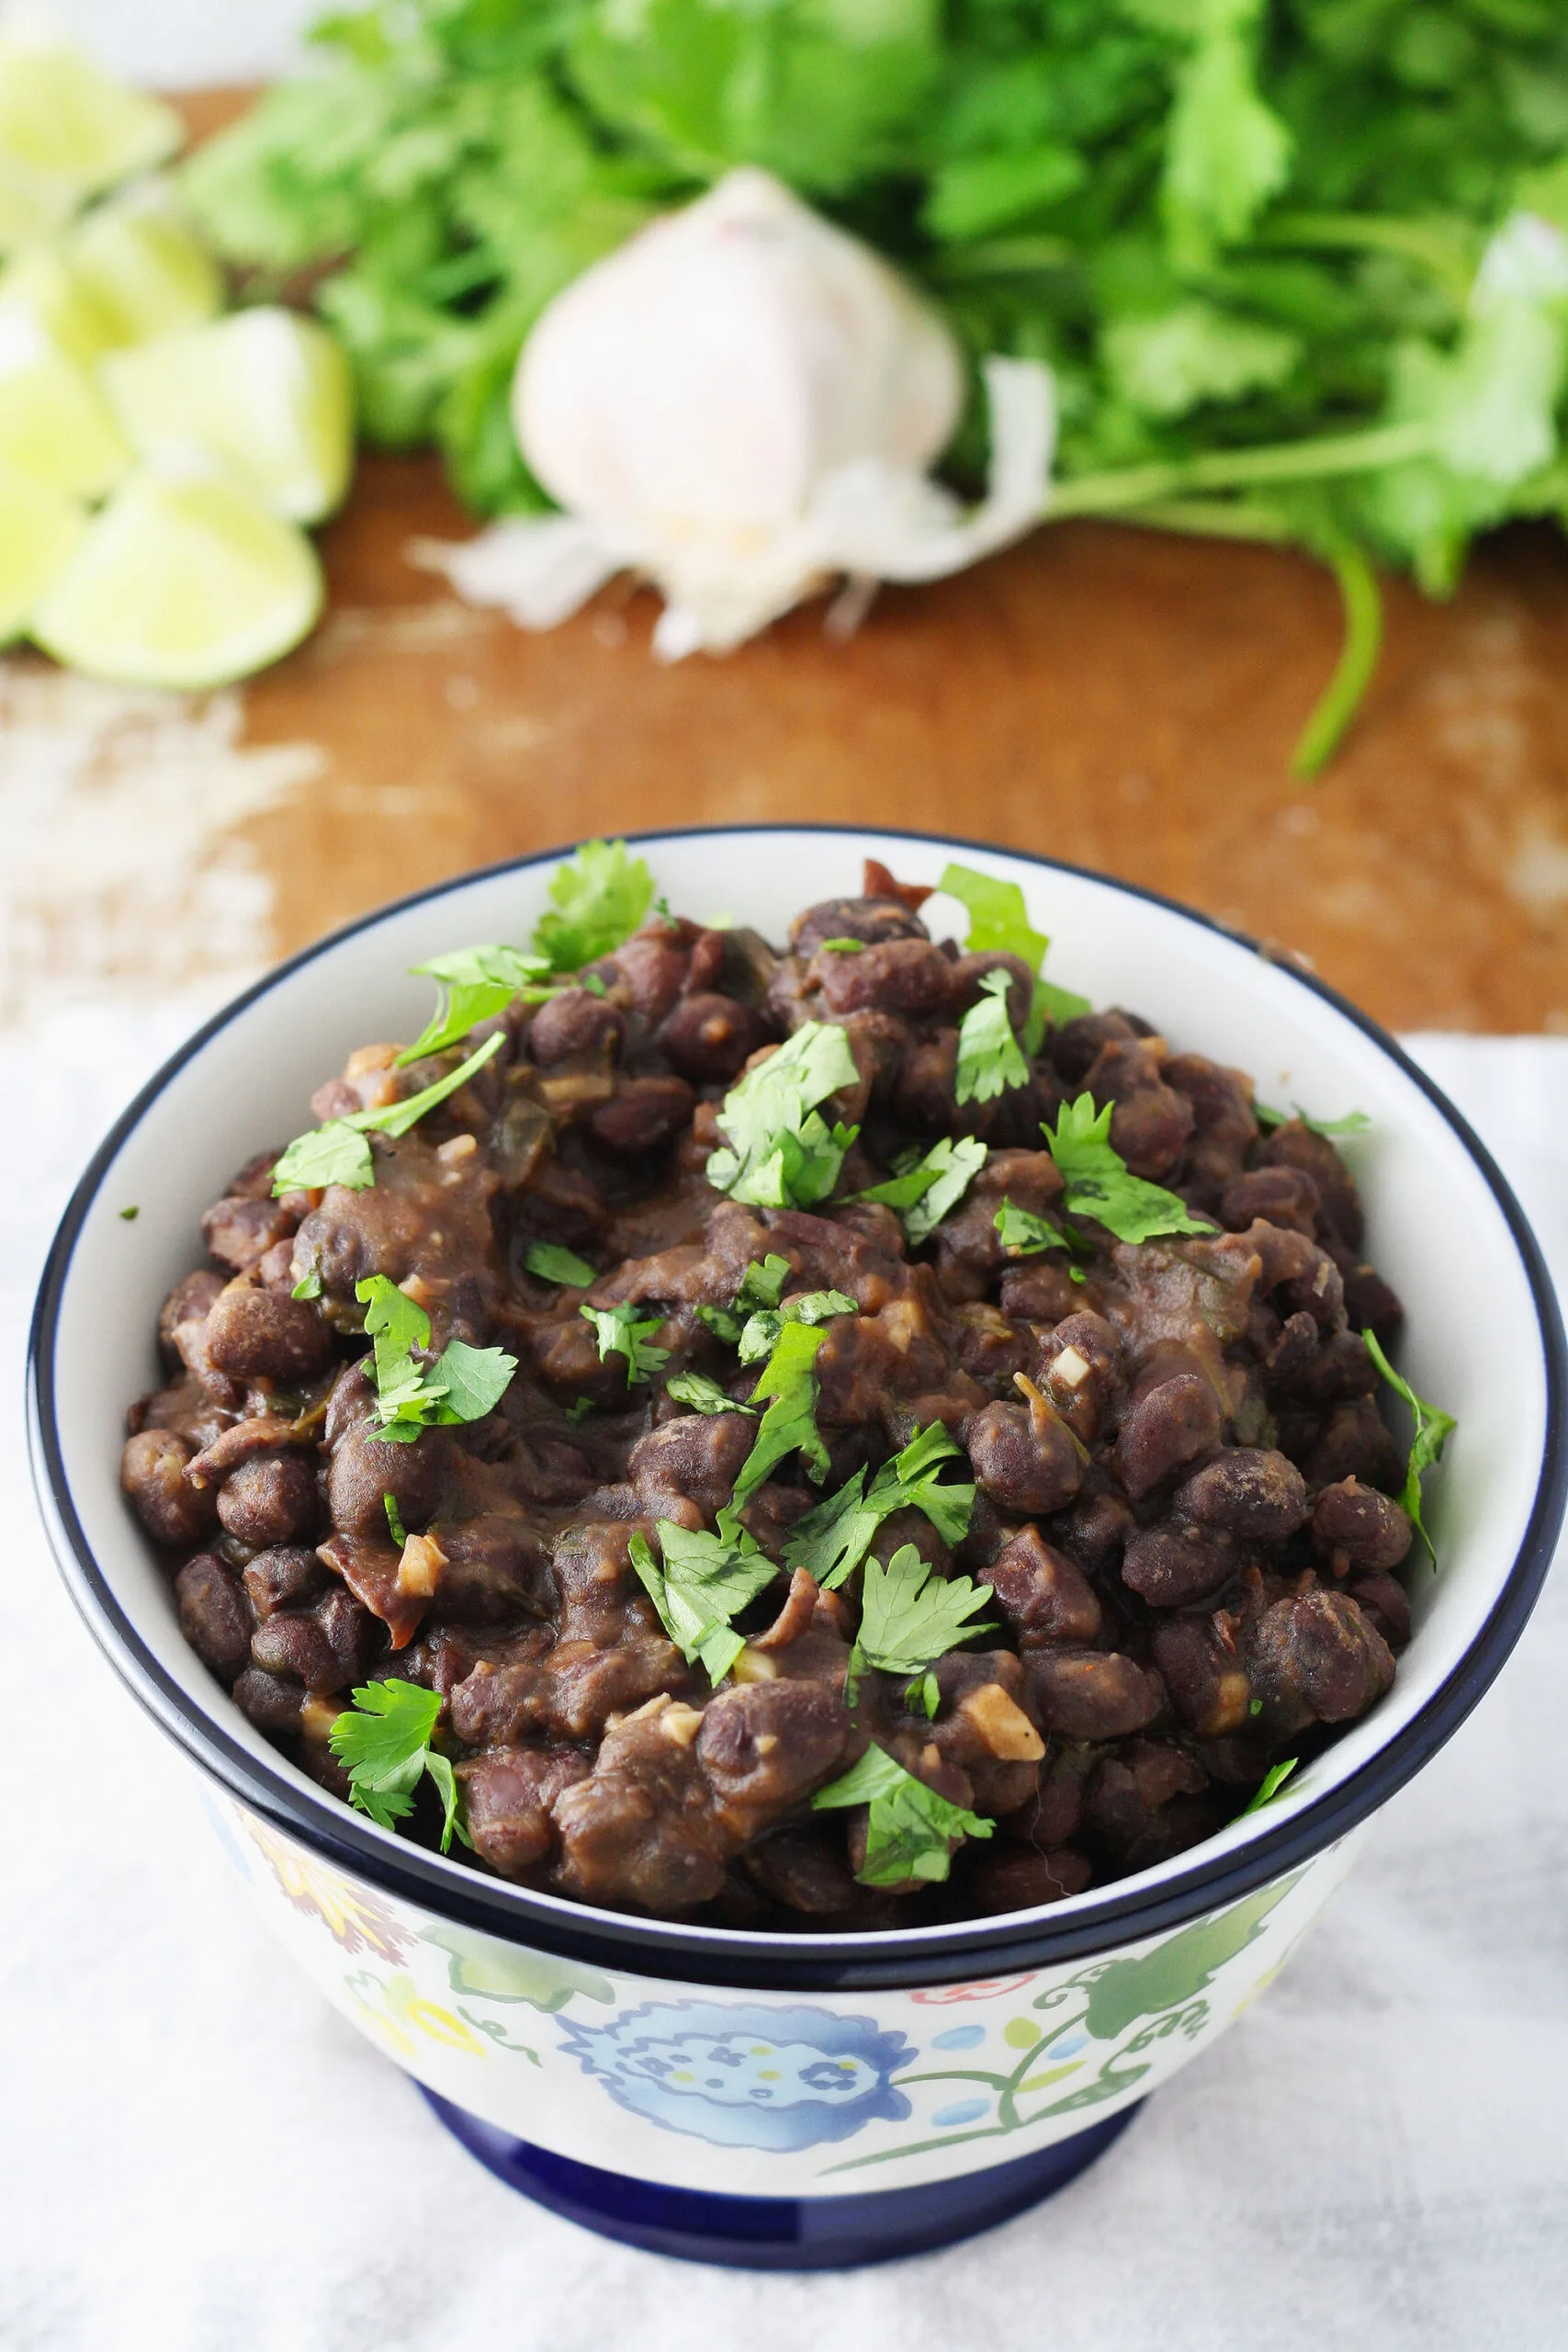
(742, 404)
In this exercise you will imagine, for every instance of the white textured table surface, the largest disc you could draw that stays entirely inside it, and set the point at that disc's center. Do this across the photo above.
(197, 2156)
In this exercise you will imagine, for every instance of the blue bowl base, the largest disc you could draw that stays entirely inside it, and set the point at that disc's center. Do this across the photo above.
(778, 2232)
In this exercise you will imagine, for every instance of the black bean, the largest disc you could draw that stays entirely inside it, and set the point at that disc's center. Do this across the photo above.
(1282, 1196)
(870, 919)
(151, 1474)
(188, 1302)
(1174, 1415)
(1207, 1681)
(272, 1702)
(510, 1793)
(1250, 1490)
(269, 1500)
(287, 1577)
(1354, 1526)
(365, 1469)
(652, 968)
(576, 1021)
(699, 1455)
(255, 1334)
(1015, 1878)
(708, 1038)
(1027, 1462)
(214, 1617)
(766, 1744)
(1042, 1594)
(1172, 1566)
(806, 1868)
(1356, 1443)
(642, 1114)
(239, 1233)
(296, 1645)
(1315, 1656)
(1092, 1694)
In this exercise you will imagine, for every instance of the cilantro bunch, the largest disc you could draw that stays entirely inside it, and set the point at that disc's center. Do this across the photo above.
(1284, 256)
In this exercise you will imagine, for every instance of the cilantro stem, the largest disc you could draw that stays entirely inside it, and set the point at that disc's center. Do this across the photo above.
(1342, 453)
(1428, 244)
(1345, 690)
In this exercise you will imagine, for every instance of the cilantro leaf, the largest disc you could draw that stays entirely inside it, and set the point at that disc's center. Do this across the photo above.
(834, 1538)
(1433, 1429)
(621, 1332)
(924, 1192)
(600, 896)
(762, 1282)
(338, 1153)
(129, 1216)
(580, 1408)
(989, 1061)
(1000, 925)
(309, 1282)
(760, 1332)
(842, 946)
(780, 1151)
(911, 1617)
(395, 1527)
(1024, 1235)
(723, 1323)
(384, 1741)
(463, 1384)
(1354, 1122)
(553, 1264)
(911, 1832)
(1100, 1184)
(703, 1394)
(475, 983)
(788, 1387)
(702, 1581)
(1270, 1785)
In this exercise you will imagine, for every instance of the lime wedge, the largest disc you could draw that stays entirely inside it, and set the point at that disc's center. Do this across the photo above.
(137, 259)
(43, 280)
(66, 132)
(54, 424)
(38, 531)
(265, 391)
(180, 583)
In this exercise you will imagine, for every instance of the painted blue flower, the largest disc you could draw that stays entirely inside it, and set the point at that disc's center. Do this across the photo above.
(749, 2078)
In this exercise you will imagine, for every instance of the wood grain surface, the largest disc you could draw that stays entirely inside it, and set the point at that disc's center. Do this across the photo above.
(1114, 697)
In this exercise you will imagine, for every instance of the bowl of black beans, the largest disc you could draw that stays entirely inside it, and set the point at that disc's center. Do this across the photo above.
(795, 1490)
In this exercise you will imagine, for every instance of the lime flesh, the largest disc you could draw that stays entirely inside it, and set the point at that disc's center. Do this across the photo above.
(185, 584)
(39, 530)
(67, 132)
(265, 391)
(54, 424)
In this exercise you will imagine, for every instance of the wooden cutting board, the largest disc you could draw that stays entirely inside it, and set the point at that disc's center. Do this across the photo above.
(1114, 697)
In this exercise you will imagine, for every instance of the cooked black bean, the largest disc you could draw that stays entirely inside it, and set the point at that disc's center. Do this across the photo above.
(1174, 1481)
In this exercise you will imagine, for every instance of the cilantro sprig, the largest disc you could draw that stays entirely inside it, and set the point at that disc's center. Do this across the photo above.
(911, 1832)
(779, 1151)
(600, 897)
(832, 1539)
(1024, 1235)
(553, 1264)
(464, 1383)
(476, 982)
(702, 1581)
(1273, 1780)
(338, 1153)
(911, 1616)
(1433, 1429)
(621, 1331)
(789, 1388)
(989, 1059)
(703, 1394)
(760, 1332)
(385, 1742)
(1101, 1185)
(1000, 925)
(925, 1185)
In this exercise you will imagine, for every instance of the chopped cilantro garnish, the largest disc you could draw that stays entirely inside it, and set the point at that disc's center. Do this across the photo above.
(911, 1617)
(780, 1151)
(1271, 1783)
(843, 946)
(925, 1692)
(1354, 1122)
(911, 1833)
(400, 1533)
(475, 983)
(464, 1383)
(703, 1581)
(723, 1323)
(384, 1740)
(130, 1216)
(594, 985)
(338, 1153)
(600, 896)
(788, 1388)
(620, 1332)
(553, 1264)
(989, 1059)
(1100, 1184)
(703, 1394)
(1000, 925)
(309, 1282)
(763, 1282)
(760, 1333)
(833, 1539)
(580, 1408)
(661, 908)
(928, 1184)
(1024, 1235)
(1433, 1427)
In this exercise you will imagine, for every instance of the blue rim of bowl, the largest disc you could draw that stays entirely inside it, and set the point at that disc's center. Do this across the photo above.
(891, 1959)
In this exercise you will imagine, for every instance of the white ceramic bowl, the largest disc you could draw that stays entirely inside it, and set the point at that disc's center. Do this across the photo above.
(772, 2098)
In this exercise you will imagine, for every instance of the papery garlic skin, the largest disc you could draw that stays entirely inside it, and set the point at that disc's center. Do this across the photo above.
(743, 403)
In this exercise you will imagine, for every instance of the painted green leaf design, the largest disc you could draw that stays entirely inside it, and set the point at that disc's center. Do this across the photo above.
(1185, 1964)
(492, 1971)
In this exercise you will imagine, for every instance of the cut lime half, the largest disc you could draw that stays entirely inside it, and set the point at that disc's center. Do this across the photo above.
(128, 269)
(265, 391)
(185, 584)
(67, 132)
(39, 529)
(55, 422)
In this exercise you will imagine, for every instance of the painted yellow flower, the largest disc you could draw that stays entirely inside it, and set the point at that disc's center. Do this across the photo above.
(358, 1921)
